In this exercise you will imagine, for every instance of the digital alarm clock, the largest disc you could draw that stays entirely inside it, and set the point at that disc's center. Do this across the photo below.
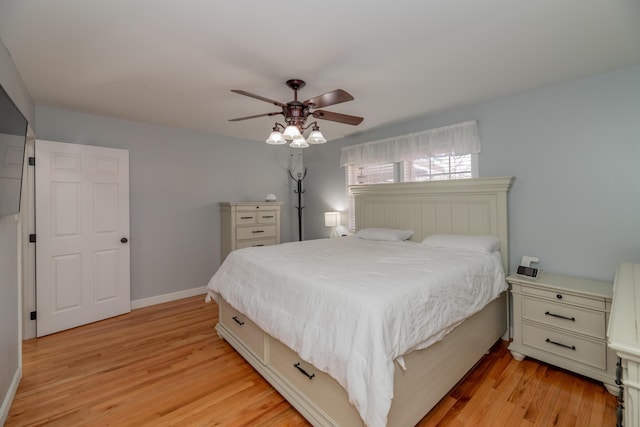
(528, 271)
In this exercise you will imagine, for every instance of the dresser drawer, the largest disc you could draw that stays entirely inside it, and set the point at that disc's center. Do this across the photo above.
(576, 319)
(321, 389)
(266, 217)
(246, 217)
(565, 297)
(583, 350)
(255, 243)
(244, 329)
(256, 232)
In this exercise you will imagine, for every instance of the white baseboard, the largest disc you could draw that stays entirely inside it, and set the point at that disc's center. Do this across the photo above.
(159, 299)
(8, 398)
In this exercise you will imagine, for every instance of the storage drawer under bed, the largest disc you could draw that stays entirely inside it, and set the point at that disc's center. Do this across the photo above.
(315, 385)
(244, 329)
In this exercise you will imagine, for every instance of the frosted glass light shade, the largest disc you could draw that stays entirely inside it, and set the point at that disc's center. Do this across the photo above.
(291, 132)
(299, 142)
(276, 138)
(316, 137)
(331, 219)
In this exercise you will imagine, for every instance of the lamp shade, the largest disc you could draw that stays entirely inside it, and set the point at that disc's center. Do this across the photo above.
(331, 219)
(291, 133)
(316, 137)
(276, 138)
(299, 142)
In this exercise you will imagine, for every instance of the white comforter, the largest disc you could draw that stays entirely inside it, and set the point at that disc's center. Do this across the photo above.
(351, 306)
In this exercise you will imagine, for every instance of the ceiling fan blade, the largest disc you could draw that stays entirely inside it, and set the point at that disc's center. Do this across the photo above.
(253, 117)
(334, 97)
(261, 98)
(337, 117)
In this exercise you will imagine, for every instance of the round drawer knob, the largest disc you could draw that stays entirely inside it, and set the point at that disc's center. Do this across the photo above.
(559, 296)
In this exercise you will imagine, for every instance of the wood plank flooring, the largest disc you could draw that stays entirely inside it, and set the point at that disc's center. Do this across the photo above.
(165, 366)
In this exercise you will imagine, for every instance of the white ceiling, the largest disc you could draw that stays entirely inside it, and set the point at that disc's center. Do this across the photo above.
(174, 62)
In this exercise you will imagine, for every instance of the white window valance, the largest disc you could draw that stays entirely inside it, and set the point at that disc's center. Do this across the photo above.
(458, 139)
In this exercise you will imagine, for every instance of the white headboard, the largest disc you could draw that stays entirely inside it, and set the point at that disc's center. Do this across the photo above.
(464, 206)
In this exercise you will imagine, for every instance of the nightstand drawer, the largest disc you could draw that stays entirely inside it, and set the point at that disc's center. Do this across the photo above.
(583, 350)
(255, 243)
(256, 232)
(565, 297)
(243, 328)
(572, 318)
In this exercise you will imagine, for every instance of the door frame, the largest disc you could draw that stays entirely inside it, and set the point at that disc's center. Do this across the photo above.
(28, 252)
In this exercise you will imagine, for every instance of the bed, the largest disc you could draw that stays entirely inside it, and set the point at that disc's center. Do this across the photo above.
(370, 373)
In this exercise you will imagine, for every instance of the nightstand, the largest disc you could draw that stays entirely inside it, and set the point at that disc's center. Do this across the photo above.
(562, 320)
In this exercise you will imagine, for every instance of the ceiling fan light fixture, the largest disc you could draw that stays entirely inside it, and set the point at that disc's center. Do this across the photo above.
(275, 138)
(291, 133)
(297, 112)
(316, 137)
(299, 142)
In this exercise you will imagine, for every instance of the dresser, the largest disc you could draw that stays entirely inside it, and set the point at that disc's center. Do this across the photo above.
(624, 339)
(563, 320)
(246, 224)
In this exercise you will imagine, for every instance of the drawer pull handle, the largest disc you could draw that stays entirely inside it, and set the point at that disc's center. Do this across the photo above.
(558, 296)
(267, 216)
(299, 368)
(570, 347)
(246, 217)
(257, 231)
(238, 321)
(560, 316)
(259, 244)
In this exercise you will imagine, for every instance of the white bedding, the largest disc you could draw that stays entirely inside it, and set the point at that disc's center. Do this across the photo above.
(351, 306)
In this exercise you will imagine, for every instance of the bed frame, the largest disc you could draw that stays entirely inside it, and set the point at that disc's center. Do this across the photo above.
(470, 206)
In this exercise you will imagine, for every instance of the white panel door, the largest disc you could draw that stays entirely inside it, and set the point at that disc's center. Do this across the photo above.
(82, 229)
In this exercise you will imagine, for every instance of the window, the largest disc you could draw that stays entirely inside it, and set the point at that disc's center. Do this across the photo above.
(448, 152)
(440, 167)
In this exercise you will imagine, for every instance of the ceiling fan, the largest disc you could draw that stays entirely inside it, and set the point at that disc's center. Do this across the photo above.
(296, 113)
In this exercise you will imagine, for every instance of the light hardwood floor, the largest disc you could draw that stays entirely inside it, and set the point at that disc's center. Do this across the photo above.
(165, 366)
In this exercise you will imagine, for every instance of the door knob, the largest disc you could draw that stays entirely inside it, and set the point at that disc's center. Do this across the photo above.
(124, 240)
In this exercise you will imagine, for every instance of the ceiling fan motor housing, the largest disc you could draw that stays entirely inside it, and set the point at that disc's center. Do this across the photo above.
(295, 113)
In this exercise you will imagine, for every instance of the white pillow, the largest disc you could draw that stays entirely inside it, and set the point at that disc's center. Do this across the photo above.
(461, 241)
(387, 234)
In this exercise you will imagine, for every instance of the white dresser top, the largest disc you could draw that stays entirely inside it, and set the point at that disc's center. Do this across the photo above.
(624, 323)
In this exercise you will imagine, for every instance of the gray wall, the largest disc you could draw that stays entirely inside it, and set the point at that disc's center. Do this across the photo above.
(574, 150)
(9, 288)
(177, 178)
